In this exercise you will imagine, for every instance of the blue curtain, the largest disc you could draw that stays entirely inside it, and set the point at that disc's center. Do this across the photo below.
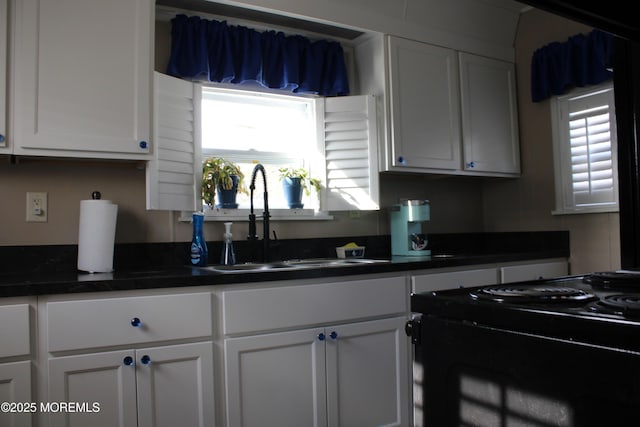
(214, 51)
(580, 61)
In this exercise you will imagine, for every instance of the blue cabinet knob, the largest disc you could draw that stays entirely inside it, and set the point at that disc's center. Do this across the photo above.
(136, 322)
(1, 138)
(128, 361)
(145, 359)
(471, 164)
(321, 336)
(402, 160)
(143, 144)
(333, 335)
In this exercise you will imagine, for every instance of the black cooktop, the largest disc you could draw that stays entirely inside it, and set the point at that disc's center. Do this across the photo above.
(601, 308)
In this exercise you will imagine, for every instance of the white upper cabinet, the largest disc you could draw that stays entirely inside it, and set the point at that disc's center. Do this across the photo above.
(489, 115)
(3, 73)
(82, 78)
(449, 112)
(424, 113)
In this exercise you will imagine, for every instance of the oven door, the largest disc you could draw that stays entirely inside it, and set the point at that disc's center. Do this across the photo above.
(479, 376)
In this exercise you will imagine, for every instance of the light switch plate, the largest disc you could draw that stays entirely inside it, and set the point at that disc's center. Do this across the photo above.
(37, 209)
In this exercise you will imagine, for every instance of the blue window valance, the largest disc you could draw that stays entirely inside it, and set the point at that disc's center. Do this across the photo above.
(214, 51)
(580, 61)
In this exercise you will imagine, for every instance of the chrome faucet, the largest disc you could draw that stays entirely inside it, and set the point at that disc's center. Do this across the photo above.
(265, 215)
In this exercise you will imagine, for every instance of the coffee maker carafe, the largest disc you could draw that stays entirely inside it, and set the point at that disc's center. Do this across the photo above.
(407, 237)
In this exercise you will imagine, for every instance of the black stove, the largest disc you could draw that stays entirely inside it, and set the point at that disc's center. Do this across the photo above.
(599, 308)
(533, 294)
(572, 342)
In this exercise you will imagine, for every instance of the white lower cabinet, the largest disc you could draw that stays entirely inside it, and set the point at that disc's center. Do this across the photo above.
(15, 362)
(138, 361)
(454, 279)
(15, 388)
(344, 375)
(336, 354)
(276, 380)
(490, 274)
(153, 387)
(533, 271)
(367, 373)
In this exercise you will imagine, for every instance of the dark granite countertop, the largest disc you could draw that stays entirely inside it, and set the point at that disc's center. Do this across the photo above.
(72, 282)
(55, 273)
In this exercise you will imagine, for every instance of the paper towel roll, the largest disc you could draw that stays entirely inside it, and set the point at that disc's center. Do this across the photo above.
(97, 232)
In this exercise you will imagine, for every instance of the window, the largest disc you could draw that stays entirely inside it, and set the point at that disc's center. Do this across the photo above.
(584, 139)
(256, 127)
(335, 138)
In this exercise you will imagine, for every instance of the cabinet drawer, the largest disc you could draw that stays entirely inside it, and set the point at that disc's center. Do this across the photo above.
(454, 279)
(15, 336)
(254, 310)
(109, 322)
(541, 270)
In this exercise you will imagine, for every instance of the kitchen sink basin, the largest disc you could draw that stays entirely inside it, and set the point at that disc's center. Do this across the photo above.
(295, 264)
(248, 267)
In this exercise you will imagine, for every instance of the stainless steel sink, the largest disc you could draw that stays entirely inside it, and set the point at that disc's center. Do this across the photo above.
(248, 267)
(295, 264)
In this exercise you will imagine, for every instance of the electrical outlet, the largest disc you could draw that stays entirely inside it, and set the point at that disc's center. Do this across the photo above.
(37, 207)
(354, 214)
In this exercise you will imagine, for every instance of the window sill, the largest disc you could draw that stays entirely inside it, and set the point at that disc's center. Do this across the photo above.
(592, 210)
(239, 215)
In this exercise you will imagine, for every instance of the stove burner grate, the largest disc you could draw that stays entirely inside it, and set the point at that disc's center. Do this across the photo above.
(532, 294)
(613, 280)
(627, 305)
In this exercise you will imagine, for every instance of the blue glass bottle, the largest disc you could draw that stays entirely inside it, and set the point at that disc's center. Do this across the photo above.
(199, 253)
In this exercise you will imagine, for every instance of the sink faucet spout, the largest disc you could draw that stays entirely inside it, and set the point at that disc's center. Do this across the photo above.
(265, 216)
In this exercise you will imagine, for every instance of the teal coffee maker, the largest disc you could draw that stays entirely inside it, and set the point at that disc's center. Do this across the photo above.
(407, 237)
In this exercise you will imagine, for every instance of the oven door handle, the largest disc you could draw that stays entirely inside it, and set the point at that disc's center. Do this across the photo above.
(412, 329)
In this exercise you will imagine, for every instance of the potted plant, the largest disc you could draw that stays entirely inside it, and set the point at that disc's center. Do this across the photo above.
(223, 179)
(294, 182)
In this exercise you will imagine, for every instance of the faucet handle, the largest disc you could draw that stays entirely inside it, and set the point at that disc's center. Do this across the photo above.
(252, 227)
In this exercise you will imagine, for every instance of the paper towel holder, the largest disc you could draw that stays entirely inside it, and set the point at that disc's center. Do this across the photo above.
(96, 235)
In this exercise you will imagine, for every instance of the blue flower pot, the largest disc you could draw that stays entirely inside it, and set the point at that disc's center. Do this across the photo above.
(227, 198)
(292, 188)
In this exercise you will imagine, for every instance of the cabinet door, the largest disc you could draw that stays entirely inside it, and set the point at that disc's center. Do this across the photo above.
(175, 385)
(83, 78)
(541, 270)
(425, 110)
(3, 73)
(454, 279)
(489, 115)
(276, 380)
(368, 373)
(15, 387)
(102, 378)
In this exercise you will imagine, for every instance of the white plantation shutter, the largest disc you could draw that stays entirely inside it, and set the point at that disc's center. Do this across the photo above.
(350, 150)
(172, 175)
(347, 140)
(586, 125)
(591, 156)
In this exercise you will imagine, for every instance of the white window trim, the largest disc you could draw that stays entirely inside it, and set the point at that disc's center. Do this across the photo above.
(348, 132)
(562, 163)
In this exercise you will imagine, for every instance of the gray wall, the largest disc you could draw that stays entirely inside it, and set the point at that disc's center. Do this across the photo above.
(526, 203)
(458, 204)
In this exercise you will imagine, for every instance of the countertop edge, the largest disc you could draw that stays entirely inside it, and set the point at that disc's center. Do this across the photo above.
(21, 285)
